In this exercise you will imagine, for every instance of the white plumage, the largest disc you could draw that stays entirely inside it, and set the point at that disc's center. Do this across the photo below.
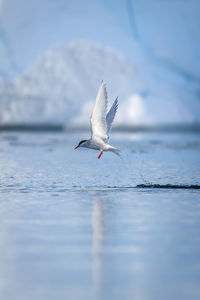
(101, 123)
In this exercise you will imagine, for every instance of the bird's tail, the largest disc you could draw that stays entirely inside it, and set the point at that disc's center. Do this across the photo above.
(114, 150)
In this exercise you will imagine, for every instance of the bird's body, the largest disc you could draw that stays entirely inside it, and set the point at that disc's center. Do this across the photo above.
(101, 123)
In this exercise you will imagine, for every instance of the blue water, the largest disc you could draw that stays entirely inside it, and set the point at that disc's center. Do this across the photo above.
(75, 227)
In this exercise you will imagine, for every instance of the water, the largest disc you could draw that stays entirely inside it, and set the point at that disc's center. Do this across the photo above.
(75, 227)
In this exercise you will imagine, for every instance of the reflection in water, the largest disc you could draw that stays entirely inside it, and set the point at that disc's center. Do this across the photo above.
(97, 244)
(62, 237)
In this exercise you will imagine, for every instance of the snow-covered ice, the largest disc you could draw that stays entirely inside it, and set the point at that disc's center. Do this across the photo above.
(61, 87)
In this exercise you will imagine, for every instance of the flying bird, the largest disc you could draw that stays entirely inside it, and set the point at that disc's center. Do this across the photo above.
(101, 123)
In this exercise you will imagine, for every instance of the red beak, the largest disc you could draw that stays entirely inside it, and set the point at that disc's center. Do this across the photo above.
(76, 147)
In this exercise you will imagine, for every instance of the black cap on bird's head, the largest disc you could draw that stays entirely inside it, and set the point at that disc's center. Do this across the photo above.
(81, 142)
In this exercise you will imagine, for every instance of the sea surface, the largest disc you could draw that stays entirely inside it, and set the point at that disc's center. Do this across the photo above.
(78, 228)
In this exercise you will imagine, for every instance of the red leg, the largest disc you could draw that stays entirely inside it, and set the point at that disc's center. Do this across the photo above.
(100, 154)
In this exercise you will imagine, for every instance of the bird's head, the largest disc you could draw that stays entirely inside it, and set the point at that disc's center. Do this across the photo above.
(81, 143)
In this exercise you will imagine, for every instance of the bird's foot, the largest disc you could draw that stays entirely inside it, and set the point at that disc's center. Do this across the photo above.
(100, 155)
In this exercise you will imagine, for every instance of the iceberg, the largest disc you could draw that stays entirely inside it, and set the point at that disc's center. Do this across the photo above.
(61, 88)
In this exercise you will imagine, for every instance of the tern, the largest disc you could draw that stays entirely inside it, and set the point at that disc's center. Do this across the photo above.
(101, 124)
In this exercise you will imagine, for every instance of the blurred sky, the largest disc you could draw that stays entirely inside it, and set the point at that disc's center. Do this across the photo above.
(164, 30)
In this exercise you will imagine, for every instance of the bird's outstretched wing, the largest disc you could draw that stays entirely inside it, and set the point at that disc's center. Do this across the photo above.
(111, 115)
(98, 117)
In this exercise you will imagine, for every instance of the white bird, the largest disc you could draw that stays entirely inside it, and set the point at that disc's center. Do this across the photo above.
(101, 123)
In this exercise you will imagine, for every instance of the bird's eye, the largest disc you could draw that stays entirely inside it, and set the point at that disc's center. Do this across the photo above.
(81, 142)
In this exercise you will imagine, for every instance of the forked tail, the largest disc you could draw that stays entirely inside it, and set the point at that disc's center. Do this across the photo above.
(114, 150)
